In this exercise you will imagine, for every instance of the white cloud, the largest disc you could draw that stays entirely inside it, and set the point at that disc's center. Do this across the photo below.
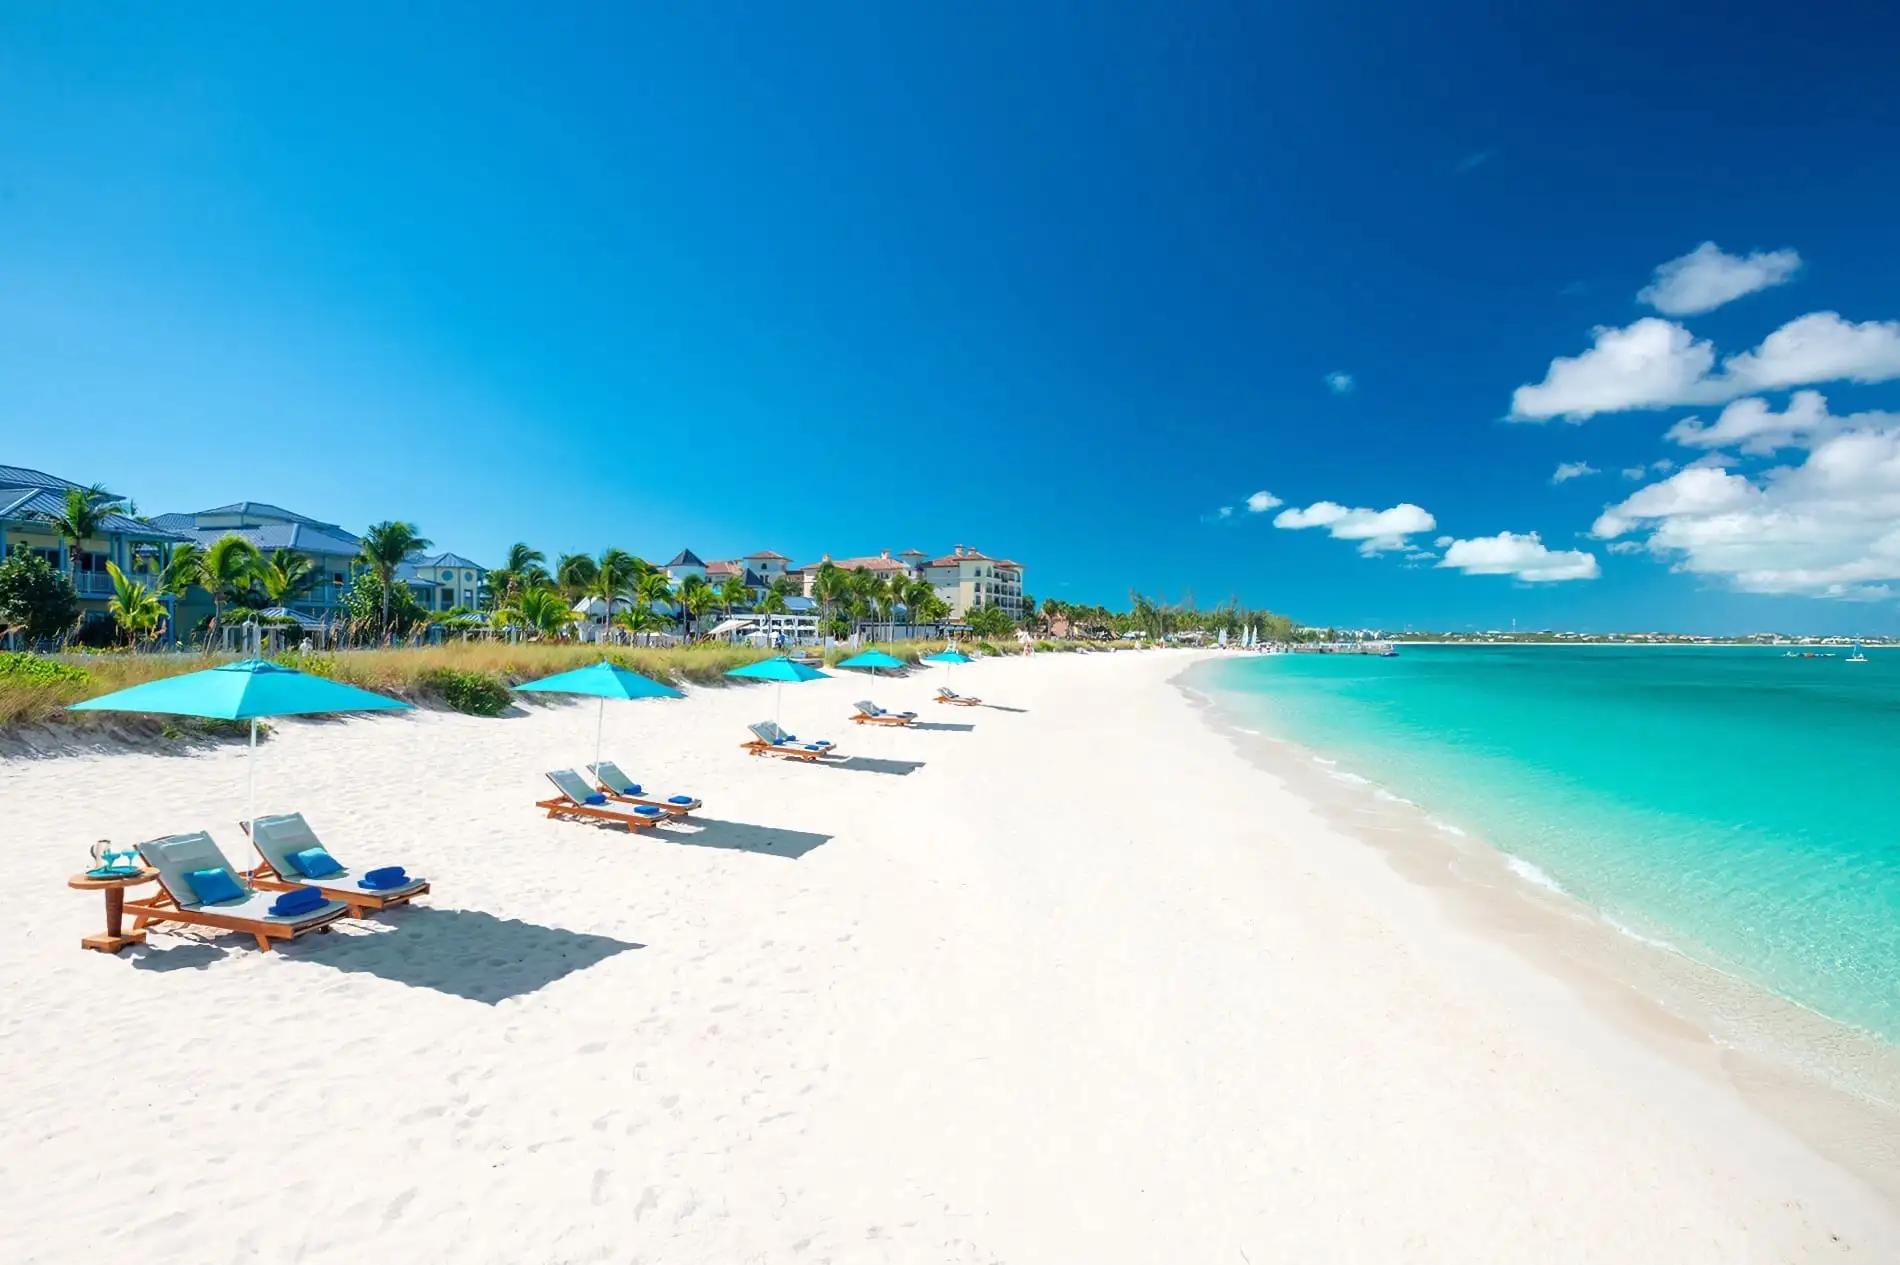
(1653, 363)
(1635, 472)
(1573, 470)
(1443, 542)
(1826, 527)
(1261, 502)
(1525, 557)
(1706, 278)
(1626, 546)
(1376, 530)
(1818, 347)
(1662, 465)
(1225, 511)
(1339, 383)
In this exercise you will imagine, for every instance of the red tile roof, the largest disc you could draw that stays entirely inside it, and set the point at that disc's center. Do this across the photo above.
(768, 555)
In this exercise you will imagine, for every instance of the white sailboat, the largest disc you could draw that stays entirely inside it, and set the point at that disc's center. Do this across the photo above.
(1859, 655)
(1221, 641)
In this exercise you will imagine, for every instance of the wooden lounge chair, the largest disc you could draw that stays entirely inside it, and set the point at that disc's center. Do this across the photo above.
(769, 739)
(579, 802)
(279, 839)
(176, 857)
(621, 789)
(871, 714)
(947, 695)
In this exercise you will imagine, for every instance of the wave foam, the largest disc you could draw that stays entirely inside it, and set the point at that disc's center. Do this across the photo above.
(1531, 874)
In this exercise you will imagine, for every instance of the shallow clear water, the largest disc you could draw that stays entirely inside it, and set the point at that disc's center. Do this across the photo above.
(1740, 806)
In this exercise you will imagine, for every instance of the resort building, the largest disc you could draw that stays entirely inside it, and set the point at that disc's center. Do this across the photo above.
(29, 497)
(686, 563)
(443, 581)
(967, 578)
(270, 528)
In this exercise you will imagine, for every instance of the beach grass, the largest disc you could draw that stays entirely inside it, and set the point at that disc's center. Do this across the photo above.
(472, 677)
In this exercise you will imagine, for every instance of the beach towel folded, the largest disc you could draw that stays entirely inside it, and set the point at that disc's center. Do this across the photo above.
(648, 810)
(384, 878)
(315, 863)
(595, 798)
(298, 900)
(213, 885)
(633, 788)
(680, 799)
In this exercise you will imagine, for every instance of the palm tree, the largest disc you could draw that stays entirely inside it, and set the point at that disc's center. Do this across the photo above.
(696, 597)
(385, 547)
(734, 594)
(525, 569)
(1052, 610)
(885, 595)
(543, 612)
(135, 607)
(916, 593)
(638, 620)
(830, 587)
(81, 516)
(286, 576)
(575, 573)
(651, 590)
(225, 571)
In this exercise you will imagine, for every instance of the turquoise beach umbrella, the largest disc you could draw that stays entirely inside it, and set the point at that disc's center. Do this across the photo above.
(602, 681)
(245, 690)
(779, 671)
(948, 656)
(872, 659)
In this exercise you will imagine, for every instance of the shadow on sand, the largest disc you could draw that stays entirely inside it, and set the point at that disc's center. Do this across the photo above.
(462, 952)
(998, 707)
(940, 727)
(740, 836)
(871, 764)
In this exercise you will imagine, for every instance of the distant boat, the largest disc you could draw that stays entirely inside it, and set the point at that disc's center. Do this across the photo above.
(1859, 655)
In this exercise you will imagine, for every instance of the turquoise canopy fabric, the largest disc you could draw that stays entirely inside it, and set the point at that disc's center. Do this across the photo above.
(947, 656)
(871, 659)
(601, 680)
(780, 669)
(242, 691)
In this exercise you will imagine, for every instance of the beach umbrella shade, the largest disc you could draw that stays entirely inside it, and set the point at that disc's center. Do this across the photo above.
(951, 656)
(779, 671)
(872, 659)
(247, 690)
(602, 681)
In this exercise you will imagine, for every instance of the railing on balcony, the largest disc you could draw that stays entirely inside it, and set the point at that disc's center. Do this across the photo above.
(92, 583)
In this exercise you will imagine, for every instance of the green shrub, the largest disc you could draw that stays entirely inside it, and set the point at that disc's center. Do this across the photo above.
(31, 669)
(476, 693)
(36, 598)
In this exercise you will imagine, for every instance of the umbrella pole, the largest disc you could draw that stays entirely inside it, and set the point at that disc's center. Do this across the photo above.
(250, 795)
(599, 724)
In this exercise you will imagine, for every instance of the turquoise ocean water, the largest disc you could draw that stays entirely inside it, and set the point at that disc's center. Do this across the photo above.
(1740, 806)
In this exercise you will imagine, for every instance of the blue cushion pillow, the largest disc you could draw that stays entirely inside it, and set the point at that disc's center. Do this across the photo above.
(680, 799)
(595, 798)
(315, 863)
(213, 885)
(648, 810)
(386, 877)
(633, 788)
(298, 900)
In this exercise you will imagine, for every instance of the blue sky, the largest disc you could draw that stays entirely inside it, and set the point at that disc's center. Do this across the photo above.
(1060, 281)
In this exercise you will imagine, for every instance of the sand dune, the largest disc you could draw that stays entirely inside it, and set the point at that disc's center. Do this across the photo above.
(1071, 982)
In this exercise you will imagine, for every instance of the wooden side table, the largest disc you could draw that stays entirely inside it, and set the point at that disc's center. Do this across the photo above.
(114, 887)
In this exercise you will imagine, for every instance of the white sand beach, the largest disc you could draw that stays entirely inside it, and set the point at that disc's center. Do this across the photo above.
(1071, 979)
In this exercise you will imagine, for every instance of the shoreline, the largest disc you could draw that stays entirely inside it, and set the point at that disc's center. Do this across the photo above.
(1834, 1086)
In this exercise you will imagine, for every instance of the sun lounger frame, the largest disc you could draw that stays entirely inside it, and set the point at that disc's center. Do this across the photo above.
(362, 902)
